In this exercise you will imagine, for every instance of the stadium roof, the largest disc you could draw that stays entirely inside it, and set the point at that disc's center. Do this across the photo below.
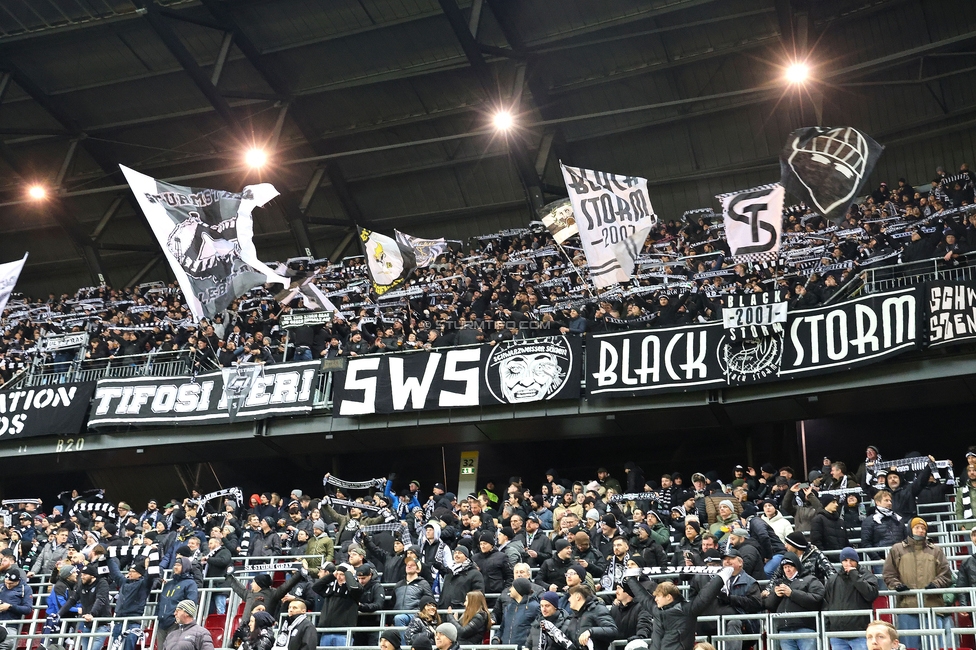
(378, 112)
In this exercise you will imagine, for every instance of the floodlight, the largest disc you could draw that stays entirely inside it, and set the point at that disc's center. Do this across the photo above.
(797, 73)
(255, 158)
(503, 120)
(37, 192)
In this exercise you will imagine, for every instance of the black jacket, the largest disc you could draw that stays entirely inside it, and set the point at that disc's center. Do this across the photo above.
(541, 544)
(340, 603)
(967, 576)
(674, 624)
(553, 572)
(807, 596)
(856, 589)
(633, 621)
(827, 531)
(496, 570)
(94, 599)
(474, 632)
(456, 587)
(594, 617)
(752, 559)
(303, 636)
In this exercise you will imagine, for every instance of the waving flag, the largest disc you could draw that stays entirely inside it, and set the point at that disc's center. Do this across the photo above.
(388, 262)
(206, 238)
(614, 216)
(426, 251)
(9, 274)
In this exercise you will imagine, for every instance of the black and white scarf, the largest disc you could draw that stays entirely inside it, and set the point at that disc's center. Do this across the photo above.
(614, 573)
(457, 569)
(967, 504)
(885, 512)
(354, 485)
(287, 630)
(551, 636)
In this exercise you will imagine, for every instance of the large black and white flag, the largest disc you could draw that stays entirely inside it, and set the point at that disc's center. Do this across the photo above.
(826, 167)
(206, 236)
(9, 273)
(426, 251)
(559, 220)
(388, 262)
(613, 215)
(754, 222)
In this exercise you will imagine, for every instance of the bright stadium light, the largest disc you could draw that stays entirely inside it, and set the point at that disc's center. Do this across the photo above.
(503, 120)
(255, 158)
(37, 192)
(798, 73)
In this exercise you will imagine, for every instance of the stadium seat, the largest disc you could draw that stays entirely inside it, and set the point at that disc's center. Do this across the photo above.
(215, 624)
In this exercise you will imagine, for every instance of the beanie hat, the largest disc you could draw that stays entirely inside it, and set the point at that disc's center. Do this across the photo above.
(188, 606)
(448, 630)
(694, 524)
(609, 520)
(392, 637)
(593, 514)
(426, 600)
(507, 532)
(797, 540)
(522, 586)
(712, 555)
(318, 524)
(638, 560)
(550, 597)
(358, 550)
(139, 568)
(90, 570)
(791, 558)
(848, 553)
(263, 580)
(463, 549)
(560, 544)
(728, 504)
(184, 551)
(421, 641)
(916, 521)
(263, 619)
(827, 499)
(111, 528)
(487, 536)
(66, 571)
(271, 522)
(740, 532)
(579, 570)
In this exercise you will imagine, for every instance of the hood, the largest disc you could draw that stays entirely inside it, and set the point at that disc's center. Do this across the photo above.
(437, 531)
(187, 567)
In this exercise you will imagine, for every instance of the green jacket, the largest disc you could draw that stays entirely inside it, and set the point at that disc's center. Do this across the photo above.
(323, 548)
(960, 514)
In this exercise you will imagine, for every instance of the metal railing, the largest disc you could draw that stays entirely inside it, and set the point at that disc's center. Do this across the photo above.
(173, 363)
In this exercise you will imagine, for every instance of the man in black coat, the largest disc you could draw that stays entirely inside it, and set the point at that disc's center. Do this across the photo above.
(537, 546)
(92, 592)
(827, 530)
(494, 565)
(748, 548)
(459, 579)
(633, 617)
(552, 575)
(854, 587)
(740, 596)
(590, 620)
(299, 628)
(674, 620)
(371, 600)
(795, 593)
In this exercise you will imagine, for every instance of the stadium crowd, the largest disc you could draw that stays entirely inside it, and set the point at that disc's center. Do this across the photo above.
(515, 283)
(547, 563)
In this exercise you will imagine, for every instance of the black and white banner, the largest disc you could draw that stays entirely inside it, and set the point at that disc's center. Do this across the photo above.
(613, 215)
(754, 222)
(9, 273)
(44, 410)
(388, 262)
(559, 220)
(950, 312)
(826, 167)
(206, 236)
(514, 372)
(813, 341)
(255, 393)
(426, 251)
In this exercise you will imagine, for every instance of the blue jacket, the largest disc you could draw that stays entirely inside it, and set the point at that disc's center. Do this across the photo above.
(132, 593)
(20, 599)
(517, 620)
(402, 510)
(181, 587)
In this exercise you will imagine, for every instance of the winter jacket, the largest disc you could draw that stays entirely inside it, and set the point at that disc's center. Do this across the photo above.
(594, 617)
(417, 626)
(807, 596)
(19, 598)
(743, 597)
(218, 562)
(515, 552)
(303, 636)
(890, 530)
(517, 620)
(553, 572)
(683, 546)
(827, 531)
(917, 565)
(541, 544)
(340, 603)
(802, 514)
(633, 621)
(189, 637)
(474, 632)
(752, 558)
(674, 624)
(94, 599)
(780, 525)
(270, 598)
(966, 577)
(456, 586)
(849, 590)
(558, 619)
(496, 570)
(133, 594)
(264, 641)
(407, 595)
(322, 547)
(371, 600)
(814, 562)
(393, 567)
(969, 489)
(48, 558)
(180, 587)
(903, 499)
(264, 545)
